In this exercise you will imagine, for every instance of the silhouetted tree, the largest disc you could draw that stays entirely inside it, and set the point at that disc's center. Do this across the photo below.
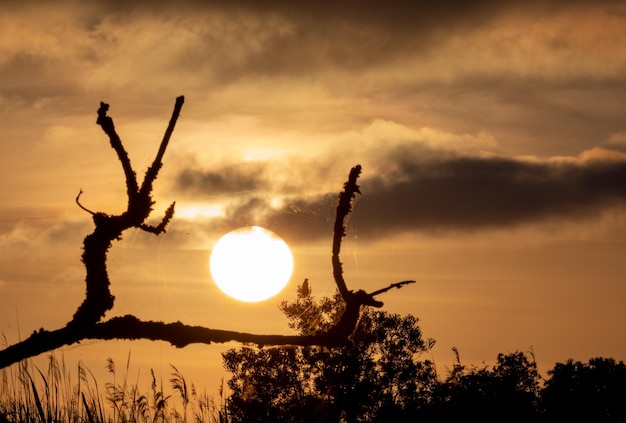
(87, 323)
(376, 377)
(506, 393)
(585, 392)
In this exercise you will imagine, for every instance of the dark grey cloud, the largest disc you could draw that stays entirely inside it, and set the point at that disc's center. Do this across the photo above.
(305, 219)
(414, 14)
(455, 193)
(231, 179)
(251, 179)
(470, 193)
(349, 35)
(28, 80)
(355, 35)
(224, 42)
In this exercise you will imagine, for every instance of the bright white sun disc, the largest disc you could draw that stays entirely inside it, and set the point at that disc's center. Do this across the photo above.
(251, 264)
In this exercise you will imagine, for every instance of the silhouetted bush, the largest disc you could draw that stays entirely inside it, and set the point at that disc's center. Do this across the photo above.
(506, 393)
(591, 392)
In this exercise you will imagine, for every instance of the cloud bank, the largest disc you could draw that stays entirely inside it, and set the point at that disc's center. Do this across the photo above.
(422, 190)
(539, 71)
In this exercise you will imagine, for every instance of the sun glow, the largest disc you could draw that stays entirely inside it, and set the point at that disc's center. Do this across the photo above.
(251, 264)
(196, 211)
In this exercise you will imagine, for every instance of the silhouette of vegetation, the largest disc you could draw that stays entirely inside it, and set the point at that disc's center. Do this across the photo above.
(87, 320)
(586, 392)
(272, 385)
(377, 377)
(506, 392)
(60, 393)
(346, 363)
(381, 377)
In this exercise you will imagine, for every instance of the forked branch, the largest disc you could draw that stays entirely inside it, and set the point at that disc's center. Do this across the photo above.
(98, 298)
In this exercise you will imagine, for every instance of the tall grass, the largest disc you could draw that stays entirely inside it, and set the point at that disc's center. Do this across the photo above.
(56, 394)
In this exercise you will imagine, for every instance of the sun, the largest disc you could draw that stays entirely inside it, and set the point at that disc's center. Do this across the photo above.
(251, 264)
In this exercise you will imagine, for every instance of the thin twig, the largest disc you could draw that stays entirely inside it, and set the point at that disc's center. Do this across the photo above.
(160, 228)
(80, 205)
(393, 285)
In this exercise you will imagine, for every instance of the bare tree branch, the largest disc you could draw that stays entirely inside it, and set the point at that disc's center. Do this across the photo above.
(98, 298)
(166, 137)
(106, 123)
(86, 322)
(160, 228)
(153, 170)
(397, 285)
(344, 207)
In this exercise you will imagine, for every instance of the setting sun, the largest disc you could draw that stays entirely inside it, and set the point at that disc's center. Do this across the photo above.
(251, 264)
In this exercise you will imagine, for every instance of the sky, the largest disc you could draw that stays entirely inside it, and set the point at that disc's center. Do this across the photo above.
(492, 137)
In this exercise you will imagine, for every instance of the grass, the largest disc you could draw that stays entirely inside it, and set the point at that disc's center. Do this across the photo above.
(60, 394)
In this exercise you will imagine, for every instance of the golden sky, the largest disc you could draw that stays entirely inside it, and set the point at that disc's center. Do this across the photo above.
(492, 137)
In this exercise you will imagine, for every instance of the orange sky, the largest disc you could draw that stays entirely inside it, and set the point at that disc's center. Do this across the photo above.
(492, 137)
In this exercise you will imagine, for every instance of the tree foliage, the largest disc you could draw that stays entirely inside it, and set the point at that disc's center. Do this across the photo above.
(378, 376)
(593, 391)
(506, 392)
(381, 376)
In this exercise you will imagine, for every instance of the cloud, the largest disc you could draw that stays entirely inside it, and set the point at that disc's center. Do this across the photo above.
(231, 179)
(617, 141)
(539, 79)
(51, 245)
(294, 169)
(421, 179)
(145, 45)
(467, 193)
(546, 71)
(33, 236)
(454, 192)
